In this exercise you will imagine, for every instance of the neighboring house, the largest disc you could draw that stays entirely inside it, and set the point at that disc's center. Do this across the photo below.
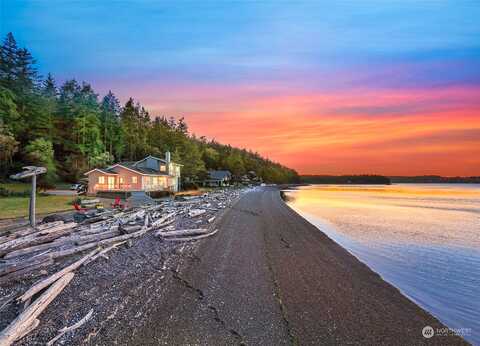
(148, 174)
(218, 178)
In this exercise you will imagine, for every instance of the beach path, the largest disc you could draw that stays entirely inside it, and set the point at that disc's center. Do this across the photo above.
(271, 278)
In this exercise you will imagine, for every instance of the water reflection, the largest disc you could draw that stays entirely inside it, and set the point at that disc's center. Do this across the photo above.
(424, 239)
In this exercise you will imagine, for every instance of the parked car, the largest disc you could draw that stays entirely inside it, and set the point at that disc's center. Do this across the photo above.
(75, 186)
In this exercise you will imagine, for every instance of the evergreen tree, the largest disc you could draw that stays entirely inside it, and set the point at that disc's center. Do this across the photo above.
(68, 131)
(49, 88)
(25, 72)
(8, 61)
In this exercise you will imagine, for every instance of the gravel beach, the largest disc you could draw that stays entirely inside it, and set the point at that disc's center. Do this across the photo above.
(268, 277)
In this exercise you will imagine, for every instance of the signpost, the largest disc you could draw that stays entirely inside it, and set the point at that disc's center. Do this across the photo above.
(31, 171)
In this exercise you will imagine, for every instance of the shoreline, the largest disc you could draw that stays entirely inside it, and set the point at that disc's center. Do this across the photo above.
(267, 277)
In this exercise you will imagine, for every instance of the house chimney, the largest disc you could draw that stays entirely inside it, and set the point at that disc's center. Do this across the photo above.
(167, 159)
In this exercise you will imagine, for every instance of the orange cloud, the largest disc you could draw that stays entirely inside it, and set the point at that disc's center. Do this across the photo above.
(409, 132)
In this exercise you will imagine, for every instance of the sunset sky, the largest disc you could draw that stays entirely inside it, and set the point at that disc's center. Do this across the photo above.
(386, 87)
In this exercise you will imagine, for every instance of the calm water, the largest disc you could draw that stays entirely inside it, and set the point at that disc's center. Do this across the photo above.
(423, 239)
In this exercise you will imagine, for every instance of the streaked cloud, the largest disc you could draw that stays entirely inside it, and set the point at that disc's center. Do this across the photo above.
(326, 87)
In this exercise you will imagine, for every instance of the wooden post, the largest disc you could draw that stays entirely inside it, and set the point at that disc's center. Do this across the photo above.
(31, 213)
(31, 171)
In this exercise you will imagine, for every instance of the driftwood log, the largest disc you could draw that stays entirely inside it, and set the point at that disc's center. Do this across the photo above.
(26, 321)
(77, 325)
(52, 278)
(12, 266)
(104, 251)
(183, 232)
(32, 269)
(192, 238)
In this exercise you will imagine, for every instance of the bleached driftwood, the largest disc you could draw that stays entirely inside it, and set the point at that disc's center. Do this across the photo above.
(183, 232)
(23, 272)
(65, 330)
(72, 250)
(13, 266)
(162, 220)
(25, 322)
(29, 329)
(34, 240)
(196, 212)
(104, 251)
(73, 239)
(52, 278)
(192, 238)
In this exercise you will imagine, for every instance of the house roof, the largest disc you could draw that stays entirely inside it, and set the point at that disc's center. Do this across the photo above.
(103, 170)
(141, 170)
(133, 166)
(151, 157)
(219, 175)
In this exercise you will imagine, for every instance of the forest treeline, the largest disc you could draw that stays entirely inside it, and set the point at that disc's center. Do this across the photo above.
(345, 179)
(69, 129)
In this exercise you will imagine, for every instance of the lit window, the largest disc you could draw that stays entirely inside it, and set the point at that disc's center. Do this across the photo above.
(134, 180)
(163, 168)
(101, 179)
(121, 180)
(155, 181)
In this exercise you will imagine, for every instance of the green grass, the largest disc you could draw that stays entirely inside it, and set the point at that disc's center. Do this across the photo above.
(12, 207)
(17, 187)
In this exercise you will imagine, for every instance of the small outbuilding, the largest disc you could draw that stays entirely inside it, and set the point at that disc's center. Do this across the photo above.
(218, 178)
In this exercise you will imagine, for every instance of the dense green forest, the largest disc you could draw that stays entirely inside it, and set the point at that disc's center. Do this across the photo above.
(69, 129)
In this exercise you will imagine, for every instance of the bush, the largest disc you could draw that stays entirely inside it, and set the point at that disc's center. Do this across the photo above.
(189, 186)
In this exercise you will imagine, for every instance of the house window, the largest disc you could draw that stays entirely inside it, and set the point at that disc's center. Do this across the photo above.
(155, 180)
(121, 180)
(163, 168)
(101, 179)
(134, 180)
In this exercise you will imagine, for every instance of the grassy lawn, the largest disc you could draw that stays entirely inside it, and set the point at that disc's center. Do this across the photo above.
(11, 207)
(17, 187)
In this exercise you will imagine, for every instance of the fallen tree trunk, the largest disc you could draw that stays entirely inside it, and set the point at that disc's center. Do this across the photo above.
(22, 272)
(104, 251)
(196, 212)
(70, 251)
(17, 265)
(159, 222)
(70, 240)
(48, 281)
(35, 240)
(25, 322)
(183, 232)
(192, 238)
(29, 329)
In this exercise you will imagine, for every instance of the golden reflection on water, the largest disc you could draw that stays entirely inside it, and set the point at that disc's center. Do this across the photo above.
(433, 214)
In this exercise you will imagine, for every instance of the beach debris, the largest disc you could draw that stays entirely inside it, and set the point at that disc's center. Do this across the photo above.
(77, 325)
(196, 212)
(27, 320)
(27, 252)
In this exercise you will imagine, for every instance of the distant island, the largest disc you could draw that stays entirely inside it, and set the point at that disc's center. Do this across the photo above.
(383, 180)
(345, 179)
(435, 179)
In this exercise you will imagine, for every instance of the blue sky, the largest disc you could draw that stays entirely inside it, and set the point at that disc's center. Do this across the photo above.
(224, 62)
